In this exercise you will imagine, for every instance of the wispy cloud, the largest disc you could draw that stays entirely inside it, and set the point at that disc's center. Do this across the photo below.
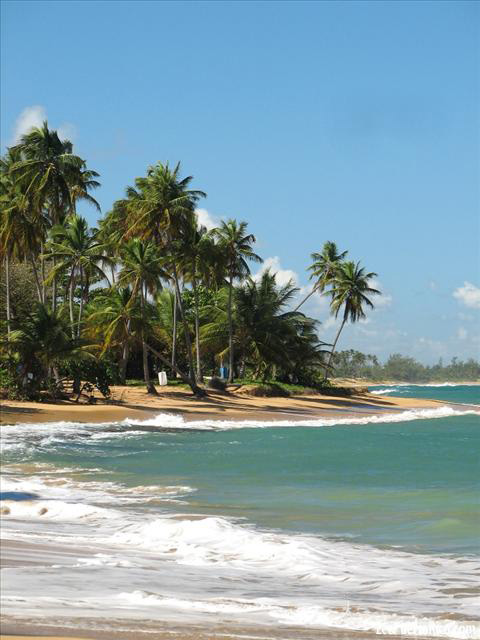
(383, 300)
(34, 116)
(469, 295)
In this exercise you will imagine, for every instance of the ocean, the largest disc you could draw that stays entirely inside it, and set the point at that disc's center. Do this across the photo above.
(369, 524)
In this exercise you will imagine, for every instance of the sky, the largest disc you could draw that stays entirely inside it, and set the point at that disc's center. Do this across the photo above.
(354, 122)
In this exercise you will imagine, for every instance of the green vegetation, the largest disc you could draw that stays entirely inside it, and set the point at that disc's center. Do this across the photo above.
(148, 289)
(398, 368)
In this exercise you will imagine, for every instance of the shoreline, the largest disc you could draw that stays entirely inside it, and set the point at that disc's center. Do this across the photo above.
(134, 403)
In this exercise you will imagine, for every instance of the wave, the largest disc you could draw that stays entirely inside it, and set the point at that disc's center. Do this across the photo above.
(173, 421)
(426, 384)
(29, 438)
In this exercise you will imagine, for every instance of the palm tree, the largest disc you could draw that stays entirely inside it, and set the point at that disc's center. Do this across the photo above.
(118, 318)
(236, 246)
(161, 206)
(199, 259)
(76, 246)
(142, 269)
(272, 337)
(52, 176)
(350, 287)
(43, 343)
(22, 226)
(323, 268)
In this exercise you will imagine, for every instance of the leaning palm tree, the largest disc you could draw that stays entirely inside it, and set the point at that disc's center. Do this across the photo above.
(323, 268)
(350, 287)
(236, 246)
(75, 250)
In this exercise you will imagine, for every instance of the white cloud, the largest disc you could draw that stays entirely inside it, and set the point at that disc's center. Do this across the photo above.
(206, 219)
(282, 276)
(383, 300)
(462, 333)
(34, 116)
(469, 295)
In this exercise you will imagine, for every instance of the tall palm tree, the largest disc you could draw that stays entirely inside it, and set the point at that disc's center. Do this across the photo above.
(323, 268)
(22, 225)
(349, 291)
(76, 248)
(52, 176)
(236, 246)
(199, 255)
(142, 269)
(161, 206)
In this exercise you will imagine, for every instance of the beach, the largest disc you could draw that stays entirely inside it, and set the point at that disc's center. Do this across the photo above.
(236, 516)
(135, 403)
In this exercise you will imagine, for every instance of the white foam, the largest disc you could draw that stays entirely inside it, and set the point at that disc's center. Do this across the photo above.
(340, 567)
(313, 616)
(51, 510)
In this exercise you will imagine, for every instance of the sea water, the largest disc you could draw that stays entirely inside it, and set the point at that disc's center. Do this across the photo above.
(368, 523)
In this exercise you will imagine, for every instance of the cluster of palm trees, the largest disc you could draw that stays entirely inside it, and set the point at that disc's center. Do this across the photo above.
(151, 280)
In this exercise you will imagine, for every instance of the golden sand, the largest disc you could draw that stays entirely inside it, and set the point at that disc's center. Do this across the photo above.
(135, 403)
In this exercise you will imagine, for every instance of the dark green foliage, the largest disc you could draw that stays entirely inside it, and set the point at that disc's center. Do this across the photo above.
(269, 390)
(99, 373)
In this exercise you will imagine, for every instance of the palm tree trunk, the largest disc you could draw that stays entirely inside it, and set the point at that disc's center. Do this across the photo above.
(333, 347)
(123, 363)
(71, 289)
(188, 343)
(42, 266)
(80, 309)
(174, 336)
(230, 330)
(197, 330)
(146, 373)
(306, 298)
(54, 290)
(35, 275)
(7, 280)
(198, 391)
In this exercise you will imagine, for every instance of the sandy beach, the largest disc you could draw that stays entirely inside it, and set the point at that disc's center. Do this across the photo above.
(135, 403)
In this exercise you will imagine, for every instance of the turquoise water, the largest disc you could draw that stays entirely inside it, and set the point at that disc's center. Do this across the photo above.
(448, 392)
(287, 522)
(413, 483)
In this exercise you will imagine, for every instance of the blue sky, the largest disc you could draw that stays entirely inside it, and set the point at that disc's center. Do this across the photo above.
(356, 122)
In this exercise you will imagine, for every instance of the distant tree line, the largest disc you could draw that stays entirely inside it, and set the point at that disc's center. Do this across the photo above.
(354, 364)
